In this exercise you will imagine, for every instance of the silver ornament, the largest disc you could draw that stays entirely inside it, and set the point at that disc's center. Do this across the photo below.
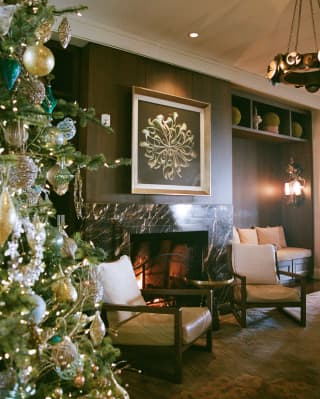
(64, 32)
(24, 173)
(97, 329)
(15, 133)
(44, 31)
(69, 247)
(6, 14)
(33, 89)
(53, 136)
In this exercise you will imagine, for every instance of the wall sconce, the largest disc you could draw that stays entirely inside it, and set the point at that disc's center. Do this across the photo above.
(293, 188)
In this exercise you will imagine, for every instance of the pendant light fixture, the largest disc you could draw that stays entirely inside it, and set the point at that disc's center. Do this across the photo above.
(294, 67)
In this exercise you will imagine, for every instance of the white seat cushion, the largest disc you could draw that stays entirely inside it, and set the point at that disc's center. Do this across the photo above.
(256, 262)
(119, 287)
(269, 293)
(290, 253)
(158, 329)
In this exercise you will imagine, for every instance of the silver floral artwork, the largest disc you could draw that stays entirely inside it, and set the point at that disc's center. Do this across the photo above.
(168, 145)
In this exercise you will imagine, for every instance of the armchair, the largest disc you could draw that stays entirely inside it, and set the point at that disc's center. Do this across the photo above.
(133, 324)
(257, 283)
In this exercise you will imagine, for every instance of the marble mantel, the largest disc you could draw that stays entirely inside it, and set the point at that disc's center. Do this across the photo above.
(109, 226)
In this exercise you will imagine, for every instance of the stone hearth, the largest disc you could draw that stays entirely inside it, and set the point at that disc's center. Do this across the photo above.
(111, 225)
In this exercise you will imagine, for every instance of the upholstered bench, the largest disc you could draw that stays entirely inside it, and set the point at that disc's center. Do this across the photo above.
(292, 259)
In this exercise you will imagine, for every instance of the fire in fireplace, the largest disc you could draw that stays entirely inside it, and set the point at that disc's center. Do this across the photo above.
(168, 260)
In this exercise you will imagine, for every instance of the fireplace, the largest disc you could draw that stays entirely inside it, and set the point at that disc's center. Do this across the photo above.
(116, 226)
(170, 259)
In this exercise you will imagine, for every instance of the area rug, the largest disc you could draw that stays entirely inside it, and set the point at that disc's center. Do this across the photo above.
(273, 358)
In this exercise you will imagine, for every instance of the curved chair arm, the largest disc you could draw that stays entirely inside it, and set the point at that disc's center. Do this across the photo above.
(141, 308)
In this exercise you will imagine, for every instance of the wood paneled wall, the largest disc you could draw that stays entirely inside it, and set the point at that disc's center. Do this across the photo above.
(259, 174)
(108, 77)
(253, 170)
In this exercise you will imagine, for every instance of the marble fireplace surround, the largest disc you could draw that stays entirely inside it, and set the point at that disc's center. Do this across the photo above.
(109, 226)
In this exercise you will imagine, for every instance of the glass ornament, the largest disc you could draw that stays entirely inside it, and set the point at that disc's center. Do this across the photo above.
(97, 329)
(117, 389)
(15, 133)
(7, 379)
(68, 128)
(53, 136)
(6, 14)
(59, 175)
(54, 239)
(10, 71)
(8, 215)
(23, 173)
(64, 353)
(38, 60)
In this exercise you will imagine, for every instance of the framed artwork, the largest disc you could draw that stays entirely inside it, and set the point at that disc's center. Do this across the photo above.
(171, 144)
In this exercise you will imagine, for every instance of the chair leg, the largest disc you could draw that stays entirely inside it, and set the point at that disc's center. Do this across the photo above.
(178, 366)
(243, 317)
(303, 310)
(209, 340)
(303, 313)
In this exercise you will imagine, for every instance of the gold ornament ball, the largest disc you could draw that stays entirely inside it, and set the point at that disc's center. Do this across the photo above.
(38, 60)
(79, 381)
(57, 393)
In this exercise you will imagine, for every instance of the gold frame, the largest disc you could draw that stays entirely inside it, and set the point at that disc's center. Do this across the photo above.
(199, 114)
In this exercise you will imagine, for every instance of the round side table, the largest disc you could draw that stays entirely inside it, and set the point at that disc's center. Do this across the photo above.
(212, 286)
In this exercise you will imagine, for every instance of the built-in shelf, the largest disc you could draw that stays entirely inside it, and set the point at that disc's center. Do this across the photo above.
(251, 106)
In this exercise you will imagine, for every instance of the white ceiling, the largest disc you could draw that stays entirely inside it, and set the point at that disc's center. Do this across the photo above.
(238, 38)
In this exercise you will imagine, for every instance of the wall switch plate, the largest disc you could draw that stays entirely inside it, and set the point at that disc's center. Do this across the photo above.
(106, 120)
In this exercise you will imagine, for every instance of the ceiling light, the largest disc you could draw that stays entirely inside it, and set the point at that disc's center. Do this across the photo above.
(294, 67)
(193, 35)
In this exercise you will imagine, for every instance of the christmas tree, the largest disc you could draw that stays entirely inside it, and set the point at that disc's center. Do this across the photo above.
(53, 343)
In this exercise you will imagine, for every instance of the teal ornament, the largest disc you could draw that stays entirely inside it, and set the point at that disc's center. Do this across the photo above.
(10, 70)
(49, 103)
(55, 339)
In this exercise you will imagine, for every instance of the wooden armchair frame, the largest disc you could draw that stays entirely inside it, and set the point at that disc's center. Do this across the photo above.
(178, 347)
(239, 306)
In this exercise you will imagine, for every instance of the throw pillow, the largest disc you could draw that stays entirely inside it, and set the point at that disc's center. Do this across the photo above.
(119, 287)
(271, 235)
(248, 236)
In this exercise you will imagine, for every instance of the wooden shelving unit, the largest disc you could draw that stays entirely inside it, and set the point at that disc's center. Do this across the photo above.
(249, 106)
